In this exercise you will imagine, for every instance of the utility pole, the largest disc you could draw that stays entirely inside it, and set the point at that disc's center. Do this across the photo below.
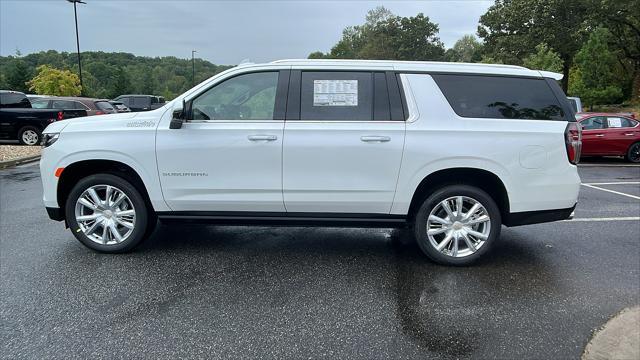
(75, 13)
(193, 68)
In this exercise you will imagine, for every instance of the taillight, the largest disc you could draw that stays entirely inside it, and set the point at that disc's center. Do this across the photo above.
(60, 115)
(99, 112)
(573, 141)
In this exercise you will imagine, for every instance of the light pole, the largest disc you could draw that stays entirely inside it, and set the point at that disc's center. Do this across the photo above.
(193, 68)
(75, 13)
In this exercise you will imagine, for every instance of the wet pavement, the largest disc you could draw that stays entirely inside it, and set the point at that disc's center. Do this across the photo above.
(219, 292)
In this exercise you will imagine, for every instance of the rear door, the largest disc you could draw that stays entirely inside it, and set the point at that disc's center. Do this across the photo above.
(620, 134)
(343, 142)
(593, 135)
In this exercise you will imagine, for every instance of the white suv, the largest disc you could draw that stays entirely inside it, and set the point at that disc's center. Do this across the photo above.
(453, 151)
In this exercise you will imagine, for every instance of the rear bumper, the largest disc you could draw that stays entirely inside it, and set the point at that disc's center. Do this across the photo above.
(55, 213)
(536, 217)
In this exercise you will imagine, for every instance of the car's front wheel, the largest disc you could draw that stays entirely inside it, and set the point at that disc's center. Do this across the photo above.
(107, 213)
(457, 224)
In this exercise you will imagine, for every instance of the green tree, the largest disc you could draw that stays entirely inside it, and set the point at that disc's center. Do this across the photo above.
(622, 18)
(121, 85)
(387, 36)
(596, 63)
(316, 55)
(512, 28)
(52, 81)
(544, 59)
(147, 81)
(467, 49)
(18, 75)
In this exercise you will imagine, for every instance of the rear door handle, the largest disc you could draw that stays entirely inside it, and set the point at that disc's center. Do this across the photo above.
(375, 138)
(599, 135)
(262, 137)
(628, 134)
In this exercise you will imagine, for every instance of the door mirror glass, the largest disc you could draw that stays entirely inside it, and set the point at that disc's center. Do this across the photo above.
(178, 117)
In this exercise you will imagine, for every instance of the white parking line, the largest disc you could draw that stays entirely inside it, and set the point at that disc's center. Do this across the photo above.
(608, 165)
(616, 183)
(612, 191)
(628, 218)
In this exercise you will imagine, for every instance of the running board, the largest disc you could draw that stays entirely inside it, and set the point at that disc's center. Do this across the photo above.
(285, 219)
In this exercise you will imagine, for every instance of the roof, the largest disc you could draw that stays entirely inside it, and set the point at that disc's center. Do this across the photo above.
(427, 66)
(75, 98)
(138, 95)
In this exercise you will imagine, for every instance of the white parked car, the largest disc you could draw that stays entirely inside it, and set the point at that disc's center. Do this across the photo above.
(453, 151)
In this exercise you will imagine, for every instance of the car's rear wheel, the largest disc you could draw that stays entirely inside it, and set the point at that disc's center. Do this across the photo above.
(29, 135)
(457, 224)
(633, 154)
(107, 213)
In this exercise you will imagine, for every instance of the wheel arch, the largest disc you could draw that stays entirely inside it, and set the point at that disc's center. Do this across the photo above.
(483, 179)
(78, 170)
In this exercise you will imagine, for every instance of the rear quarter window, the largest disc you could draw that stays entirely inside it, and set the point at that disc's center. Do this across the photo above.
(500, 97)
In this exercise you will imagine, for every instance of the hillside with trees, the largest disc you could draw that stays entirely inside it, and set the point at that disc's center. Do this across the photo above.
(107, 75)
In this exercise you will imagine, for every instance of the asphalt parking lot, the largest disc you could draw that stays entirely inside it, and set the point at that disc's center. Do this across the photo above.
(219, 292)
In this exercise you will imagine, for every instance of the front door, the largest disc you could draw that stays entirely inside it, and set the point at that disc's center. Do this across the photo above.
(228, 155)
(594, 135)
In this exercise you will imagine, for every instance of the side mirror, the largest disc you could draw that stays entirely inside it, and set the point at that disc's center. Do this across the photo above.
(178, 117)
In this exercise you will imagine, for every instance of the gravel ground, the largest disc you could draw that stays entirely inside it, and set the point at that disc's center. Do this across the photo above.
(12, 152)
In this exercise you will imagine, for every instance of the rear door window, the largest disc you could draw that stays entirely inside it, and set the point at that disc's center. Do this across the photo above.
(620, 122)
(63, 104)
(500, 97)
(342, 96)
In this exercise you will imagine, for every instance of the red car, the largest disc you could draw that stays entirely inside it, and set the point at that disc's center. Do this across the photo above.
(610, 135)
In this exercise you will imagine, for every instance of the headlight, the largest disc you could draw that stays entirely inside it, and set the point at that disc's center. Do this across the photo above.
(49, 139)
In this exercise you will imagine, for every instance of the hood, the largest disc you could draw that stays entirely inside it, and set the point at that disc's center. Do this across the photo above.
(58, 126)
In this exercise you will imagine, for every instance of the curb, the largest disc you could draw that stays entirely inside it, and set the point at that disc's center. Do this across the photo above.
(619, 338)
(15, 162)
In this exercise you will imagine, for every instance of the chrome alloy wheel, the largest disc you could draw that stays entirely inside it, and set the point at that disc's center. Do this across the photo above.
(105, 214)
(30, 137)
(458, 226)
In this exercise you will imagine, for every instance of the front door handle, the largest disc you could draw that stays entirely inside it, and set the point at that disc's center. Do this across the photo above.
(262, 137)
(375, 138)
(628, 134)
(599, 135)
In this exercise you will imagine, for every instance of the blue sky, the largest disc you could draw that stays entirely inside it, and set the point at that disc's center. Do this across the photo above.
(223, 32)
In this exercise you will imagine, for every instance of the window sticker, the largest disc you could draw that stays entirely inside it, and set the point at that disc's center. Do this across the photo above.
(335, 92)
(615, 122)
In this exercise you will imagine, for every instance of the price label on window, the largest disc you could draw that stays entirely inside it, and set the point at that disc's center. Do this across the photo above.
(335, 93)
(615, 122)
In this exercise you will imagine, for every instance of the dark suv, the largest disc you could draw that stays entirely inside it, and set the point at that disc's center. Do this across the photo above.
(141, 102)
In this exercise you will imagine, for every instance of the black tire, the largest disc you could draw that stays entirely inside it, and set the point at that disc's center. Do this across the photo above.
(633, 153)
(420, 223)
(34, 133)
(142, 222)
